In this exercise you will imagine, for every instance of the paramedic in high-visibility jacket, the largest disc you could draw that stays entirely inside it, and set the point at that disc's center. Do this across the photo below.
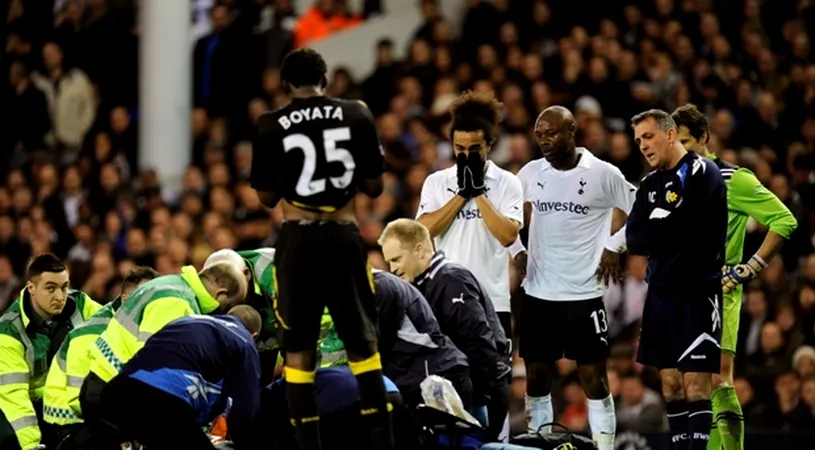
(258, 268)
(160, 301)
(71, 363)
(181, 380)
(31, 331)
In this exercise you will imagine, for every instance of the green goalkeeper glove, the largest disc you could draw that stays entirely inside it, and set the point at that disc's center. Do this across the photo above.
(733, 276)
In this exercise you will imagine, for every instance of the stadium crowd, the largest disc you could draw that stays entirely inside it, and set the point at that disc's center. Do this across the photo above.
(73, 184)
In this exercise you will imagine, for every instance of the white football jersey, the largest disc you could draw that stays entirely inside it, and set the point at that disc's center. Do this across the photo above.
(570, 224)
(468, 241)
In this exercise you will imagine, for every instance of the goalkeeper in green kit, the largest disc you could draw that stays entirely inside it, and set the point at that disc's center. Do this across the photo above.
(746, 197)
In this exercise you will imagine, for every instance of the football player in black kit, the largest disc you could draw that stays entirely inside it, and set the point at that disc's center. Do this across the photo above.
(315, 154)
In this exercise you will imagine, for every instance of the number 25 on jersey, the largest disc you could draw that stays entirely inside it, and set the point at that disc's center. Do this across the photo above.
(307, 185)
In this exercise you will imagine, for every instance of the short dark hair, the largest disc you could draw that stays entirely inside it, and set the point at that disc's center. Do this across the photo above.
(304, 67)
(662, 118)
(21, 67)
(690, 117)
(218, 6)
(137, 276)
(47, 262)
(476, 111)
(248, 316)
(384, 42)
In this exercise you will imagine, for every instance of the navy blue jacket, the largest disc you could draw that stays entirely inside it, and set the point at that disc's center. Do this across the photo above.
(410, 340)
(465, 314)
(679, 221)
(203, 360)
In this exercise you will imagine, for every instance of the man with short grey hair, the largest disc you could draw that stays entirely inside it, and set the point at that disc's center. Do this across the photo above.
(682, 320)
(257, 267)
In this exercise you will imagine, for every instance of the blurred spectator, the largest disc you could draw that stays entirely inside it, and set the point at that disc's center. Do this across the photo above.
(575, 415)
(639, 409)
(790, 412)
(71, 102)
(807, 416)
(803, 361)
(214, 75)
(323, 19)
(9, 283)
(769, 362)
(31, 120)
(757, 314)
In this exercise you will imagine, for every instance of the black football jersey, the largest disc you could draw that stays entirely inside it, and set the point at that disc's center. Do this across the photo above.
(316, 151)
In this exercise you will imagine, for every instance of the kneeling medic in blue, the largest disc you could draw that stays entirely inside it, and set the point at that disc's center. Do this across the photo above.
(181, 379)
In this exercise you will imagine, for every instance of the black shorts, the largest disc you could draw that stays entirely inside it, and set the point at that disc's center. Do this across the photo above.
(505, 317)
(321, 264)
(682, 329)
(574, 329)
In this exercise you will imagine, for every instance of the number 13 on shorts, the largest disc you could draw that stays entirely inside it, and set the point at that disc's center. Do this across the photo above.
(600, 324)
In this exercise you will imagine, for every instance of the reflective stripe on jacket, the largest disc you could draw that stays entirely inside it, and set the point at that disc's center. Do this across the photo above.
(152, 306)
(24, 363)
(71, 365)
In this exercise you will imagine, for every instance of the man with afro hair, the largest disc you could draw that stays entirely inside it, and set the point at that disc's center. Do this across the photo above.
(474, 211)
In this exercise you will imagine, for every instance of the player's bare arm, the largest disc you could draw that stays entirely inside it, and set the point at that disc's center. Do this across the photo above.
(522, 257)
(440, 220)
(748, 195)
(733, 276)
(618, 219)
(770, 246)
(609, 270)
(503, 228)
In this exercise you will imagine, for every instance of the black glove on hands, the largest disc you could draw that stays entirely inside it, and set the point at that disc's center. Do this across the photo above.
(461, 167)
(475, 175)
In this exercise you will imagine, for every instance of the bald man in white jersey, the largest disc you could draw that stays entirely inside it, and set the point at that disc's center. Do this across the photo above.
(570, 197)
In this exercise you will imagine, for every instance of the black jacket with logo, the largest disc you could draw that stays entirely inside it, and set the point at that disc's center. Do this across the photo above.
(410, 340)
(465, 313)
(679, 221)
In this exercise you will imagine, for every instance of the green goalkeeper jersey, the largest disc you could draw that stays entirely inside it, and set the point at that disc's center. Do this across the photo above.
(747, 197)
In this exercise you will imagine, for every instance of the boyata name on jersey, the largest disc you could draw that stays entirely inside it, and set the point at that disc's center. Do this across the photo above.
(297, 116)
(542, 206)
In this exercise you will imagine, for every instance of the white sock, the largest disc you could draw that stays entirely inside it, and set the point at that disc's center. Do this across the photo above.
(603, 422)
(539, 412)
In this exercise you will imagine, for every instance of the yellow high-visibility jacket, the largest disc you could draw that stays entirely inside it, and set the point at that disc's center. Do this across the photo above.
(24, 346)
(152, 306)
(70, 367)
